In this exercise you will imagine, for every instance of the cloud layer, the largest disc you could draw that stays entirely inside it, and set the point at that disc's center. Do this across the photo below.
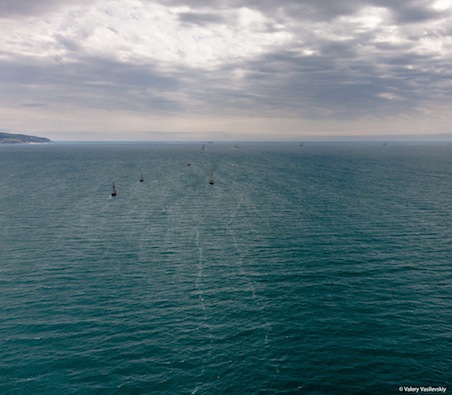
(256, 69)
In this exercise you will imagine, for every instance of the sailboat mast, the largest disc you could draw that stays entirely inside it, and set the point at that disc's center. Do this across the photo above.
(211, 176)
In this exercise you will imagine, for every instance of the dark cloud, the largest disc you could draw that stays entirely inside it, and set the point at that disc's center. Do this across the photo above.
(337, 83)
(95, 82)
(69, 44)
(10, 8)
(18, 8)
(327, 70)
(201, 19)
(409, 11)
(402, 11)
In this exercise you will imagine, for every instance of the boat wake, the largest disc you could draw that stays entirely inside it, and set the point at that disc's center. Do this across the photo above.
(200, 295)
(243, 274)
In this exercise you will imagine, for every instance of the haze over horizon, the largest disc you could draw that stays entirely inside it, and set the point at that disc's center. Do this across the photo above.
(250, 70)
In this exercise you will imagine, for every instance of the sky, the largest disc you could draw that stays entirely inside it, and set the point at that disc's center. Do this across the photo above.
(225, 69)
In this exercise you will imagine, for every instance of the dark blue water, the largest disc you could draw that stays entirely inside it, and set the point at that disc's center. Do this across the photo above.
(323, 269)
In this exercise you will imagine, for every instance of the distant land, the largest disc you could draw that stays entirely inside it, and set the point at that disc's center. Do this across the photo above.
(10, 138)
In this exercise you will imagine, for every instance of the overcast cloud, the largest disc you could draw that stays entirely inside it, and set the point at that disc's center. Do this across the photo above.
(264, 69)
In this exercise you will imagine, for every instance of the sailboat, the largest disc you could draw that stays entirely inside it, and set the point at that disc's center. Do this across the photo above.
(113, 191)
(203, 148)
(141, 178)
(211, 176)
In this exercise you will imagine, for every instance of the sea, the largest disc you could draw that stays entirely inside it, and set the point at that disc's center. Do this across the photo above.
(315, 268)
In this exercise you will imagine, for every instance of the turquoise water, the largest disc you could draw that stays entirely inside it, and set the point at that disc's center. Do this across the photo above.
(323, 269)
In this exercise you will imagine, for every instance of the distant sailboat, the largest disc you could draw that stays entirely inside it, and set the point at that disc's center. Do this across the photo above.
(203, 148)
(211, 176)
(141, 178)
(113, 191)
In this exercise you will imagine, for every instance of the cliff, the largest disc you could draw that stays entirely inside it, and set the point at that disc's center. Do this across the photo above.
(9, 138)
